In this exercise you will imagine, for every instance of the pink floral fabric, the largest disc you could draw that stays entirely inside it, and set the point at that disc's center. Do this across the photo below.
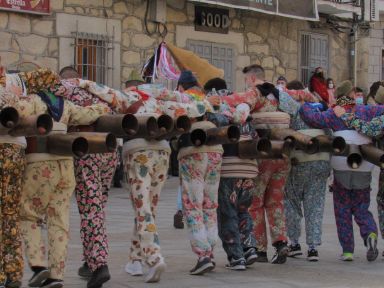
(200, 176)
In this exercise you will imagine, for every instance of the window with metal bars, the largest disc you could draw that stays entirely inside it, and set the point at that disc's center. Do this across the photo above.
(91, 56)
(314, 52)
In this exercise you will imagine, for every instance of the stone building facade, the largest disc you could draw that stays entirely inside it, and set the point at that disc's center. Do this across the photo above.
(272, 41)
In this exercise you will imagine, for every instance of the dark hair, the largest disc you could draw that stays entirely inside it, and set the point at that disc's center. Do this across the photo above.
(215, 83)
(133, 83)
(256, 69)
(295, 85)
(187, 85)
(68, 69)
(329, 80)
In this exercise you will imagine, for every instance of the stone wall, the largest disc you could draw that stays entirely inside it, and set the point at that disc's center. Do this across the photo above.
(369, 57)
(266, 40)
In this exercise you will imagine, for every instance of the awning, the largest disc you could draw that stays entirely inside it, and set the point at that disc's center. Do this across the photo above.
(298, 9)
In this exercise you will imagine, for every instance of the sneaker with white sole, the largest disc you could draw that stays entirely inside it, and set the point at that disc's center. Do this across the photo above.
(313, 255)
(202, 266)
(281, 254)
(154, 272)
(40, 274)
(237, 264)
(347, 257)
(294, 250)
(372, 251)
(135, 268)
(250, 256)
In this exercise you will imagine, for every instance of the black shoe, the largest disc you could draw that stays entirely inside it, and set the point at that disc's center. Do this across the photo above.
(99, 277)
(294, 250)
(84, 271)
(52, 283)
(313, 255)
(281, 253)
(250, 256)
(12, 284)
(40, 274)
(203, 266)
(178, 220)
(261, 257)
(238, 265)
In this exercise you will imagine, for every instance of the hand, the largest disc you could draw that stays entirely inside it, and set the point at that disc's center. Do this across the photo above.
(339, 111)
(214, 100)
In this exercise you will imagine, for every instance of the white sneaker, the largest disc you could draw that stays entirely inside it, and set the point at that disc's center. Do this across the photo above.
(134, 268)
(154, 272)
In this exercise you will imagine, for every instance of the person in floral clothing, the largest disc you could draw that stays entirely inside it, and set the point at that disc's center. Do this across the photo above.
(12, 166)
(306, 183)
(145, 168)
(373, 128)
(269, 197)
(351, 186)
(97, 169)
(48, 185)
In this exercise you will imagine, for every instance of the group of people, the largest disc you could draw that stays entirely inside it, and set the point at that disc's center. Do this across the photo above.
(222, 195)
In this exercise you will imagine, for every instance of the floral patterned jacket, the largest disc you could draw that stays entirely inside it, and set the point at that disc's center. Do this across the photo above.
(373, 128)
(328, 119)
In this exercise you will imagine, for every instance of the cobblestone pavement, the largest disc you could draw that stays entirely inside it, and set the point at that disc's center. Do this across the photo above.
(328, 272)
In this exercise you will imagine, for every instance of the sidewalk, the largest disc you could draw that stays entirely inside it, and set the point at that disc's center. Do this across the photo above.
(328, 272)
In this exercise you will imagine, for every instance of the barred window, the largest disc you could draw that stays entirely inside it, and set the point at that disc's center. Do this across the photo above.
(314, 52)
(91, 56)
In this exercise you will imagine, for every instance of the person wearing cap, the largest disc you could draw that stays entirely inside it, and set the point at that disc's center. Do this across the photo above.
(281, 82)
(351, 185)
(372, 128)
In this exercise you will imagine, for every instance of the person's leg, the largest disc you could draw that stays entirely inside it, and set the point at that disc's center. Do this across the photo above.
(244, 201)
(12, 165)
(227, 216)
(256, 210)
(274, 201)
(89, 199)
(380, 202)
(343, 216)
(34, 201)
(160, 163)
(58, 216)
(210, 202)
(192, 172)
(363, 217)
(141, 167)
(314, 199)
(292, 204)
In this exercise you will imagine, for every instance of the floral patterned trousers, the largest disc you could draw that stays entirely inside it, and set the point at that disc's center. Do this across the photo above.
(94, 174)
(12, 164)
(306, 186)
(348, 203)
(269, 199)
(46, 196)
(235, 223)
(380, 202)
(200, 176)
(145, 172)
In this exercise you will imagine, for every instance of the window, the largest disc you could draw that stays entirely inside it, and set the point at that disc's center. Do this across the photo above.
(91, 59)
(314, 51)
(220, 55)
